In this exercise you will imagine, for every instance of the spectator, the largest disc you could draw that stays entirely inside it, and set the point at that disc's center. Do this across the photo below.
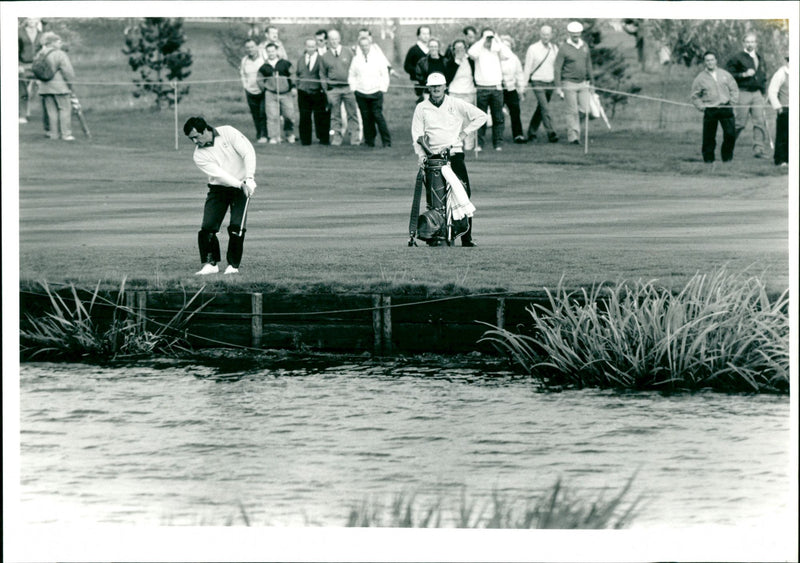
(513, 86)
(321, 37)
(778, 95)
(334, 74)
(487, 54)
(369, 79)
(275, 77)
(29, 43)
(748, 69)
(539, 62)
(248, 70)
(271, 36)
(56, 92)
(459, 74)
(572, 75)
(470, 34)
(375, 49)
(311, 100)
(414, 54)
(432, 62)
(227, 158)
(447, 121)
(713, 92)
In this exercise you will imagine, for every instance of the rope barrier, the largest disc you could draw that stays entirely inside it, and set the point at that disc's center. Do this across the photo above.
(528, 87)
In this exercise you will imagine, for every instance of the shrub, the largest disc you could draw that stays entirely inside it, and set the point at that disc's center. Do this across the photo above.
(720, 332)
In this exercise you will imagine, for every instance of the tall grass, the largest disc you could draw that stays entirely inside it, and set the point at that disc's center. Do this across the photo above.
(557, 508)
(72, 329)
(721, 331)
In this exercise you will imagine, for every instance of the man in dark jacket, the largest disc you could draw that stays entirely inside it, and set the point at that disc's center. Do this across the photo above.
(748, 69)
(311, 99)
(414, 54)
(275, 78)
(430, 63)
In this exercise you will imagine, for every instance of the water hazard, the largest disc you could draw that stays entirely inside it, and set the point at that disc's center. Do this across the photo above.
(169, 442)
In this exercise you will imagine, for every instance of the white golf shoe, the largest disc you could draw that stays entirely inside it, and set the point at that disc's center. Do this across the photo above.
(231, 270)
(207, 269)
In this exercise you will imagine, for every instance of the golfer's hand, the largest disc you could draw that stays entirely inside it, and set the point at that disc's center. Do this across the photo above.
(560, 93)
(248, 186)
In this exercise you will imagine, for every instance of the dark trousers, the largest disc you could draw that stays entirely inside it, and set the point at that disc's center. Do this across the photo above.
(724, 117)
(258, 110)
(542, 114)
(218, 200)
(782, 137)
(371, 108)
(460, 170)
(313, 104)
(511, 100)
(492, 99)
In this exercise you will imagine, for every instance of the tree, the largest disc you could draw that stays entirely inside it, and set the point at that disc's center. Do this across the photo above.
(155, 49)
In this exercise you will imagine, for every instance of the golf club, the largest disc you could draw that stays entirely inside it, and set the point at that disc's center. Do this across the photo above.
(244, 215)
(76, 107)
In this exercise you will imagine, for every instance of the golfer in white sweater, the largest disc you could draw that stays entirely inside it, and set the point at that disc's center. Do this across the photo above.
(229, 160)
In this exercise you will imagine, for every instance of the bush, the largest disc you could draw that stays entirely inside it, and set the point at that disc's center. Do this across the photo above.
(720, 332)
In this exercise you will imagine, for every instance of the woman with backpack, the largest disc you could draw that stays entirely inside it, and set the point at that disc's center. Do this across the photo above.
(54, 71)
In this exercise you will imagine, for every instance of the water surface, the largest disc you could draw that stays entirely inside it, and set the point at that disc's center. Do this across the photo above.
(168, 442)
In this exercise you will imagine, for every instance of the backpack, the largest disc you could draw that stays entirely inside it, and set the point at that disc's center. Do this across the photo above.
(41, 69)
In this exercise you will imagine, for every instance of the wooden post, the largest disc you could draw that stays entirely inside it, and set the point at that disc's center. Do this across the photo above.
(130, 308)
(256, 323)
(377, 325)
(141, 310)
(501, 312)
(386, 302)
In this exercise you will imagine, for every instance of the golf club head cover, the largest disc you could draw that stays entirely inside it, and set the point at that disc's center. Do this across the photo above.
(209, 246)
(235, 245)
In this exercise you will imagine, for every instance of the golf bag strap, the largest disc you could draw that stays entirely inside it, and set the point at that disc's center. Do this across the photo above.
(412, 223)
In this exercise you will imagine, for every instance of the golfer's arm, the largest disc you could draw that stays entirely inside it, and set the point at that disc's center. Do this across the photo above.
(417, 131)
(476, 119)
(214, 170)
(245, 149)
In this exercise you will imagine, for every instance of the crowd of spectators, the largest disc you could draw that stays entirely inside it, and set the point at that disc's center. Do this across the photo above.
(337, 91)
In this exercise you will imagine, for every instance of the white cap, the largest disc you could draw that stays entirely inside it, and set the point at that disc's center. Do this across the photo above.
(436, 79)
(574, 27)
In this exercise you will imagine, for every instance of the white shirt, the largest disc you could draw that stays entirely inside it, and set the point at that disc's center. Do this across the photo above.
(248, 71)
(229, 160)
(368, 74)
(310, 60)
(488, 71)
(423, 46)
(444, 124)
(462, 82)
(541, 56)
(778, 79)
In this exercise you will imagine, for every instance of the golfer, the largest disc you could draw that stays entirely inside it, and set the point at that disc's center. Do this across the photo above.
(447, 121)
(229, 159)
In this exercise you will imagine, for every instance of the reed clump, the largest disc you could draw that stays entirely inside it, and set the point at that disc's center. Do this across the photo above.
(720, 332)
(73, 330)
(556, 508)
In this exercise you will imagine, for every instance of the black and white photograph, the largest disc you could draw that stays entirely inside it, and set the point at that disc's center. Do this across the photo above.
(400, 281)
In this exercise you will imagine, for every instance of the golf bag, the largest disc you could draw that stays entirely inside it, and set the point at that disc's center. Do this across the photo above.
(436, 226)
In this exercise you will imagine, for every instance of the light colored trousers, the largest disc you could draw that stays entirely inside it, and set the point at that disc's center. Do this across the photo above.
(336, 97)
(576, 96)
(469, 140)
(277, 105)
(751, 104)
(59, 114)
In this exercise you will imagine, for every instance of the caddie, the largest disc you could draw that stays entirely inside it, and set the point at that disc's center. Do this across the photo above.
(229, 160)
(446, 121)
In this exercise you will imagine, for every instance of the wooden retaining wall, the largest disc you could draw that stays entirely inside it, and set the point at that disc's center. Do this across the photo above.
(382, 324)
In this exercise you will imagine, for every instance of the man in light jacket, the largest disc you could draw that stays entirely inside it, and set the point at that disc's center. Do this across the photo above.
(248, 72)
(369, 79)
(540, 60)
(56, 92)
(714, 91)
(487, 52)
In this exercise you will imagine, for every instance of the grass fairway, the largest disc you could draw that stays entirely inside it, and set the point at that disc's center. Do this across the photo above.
(127, 204)
(641, 204)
